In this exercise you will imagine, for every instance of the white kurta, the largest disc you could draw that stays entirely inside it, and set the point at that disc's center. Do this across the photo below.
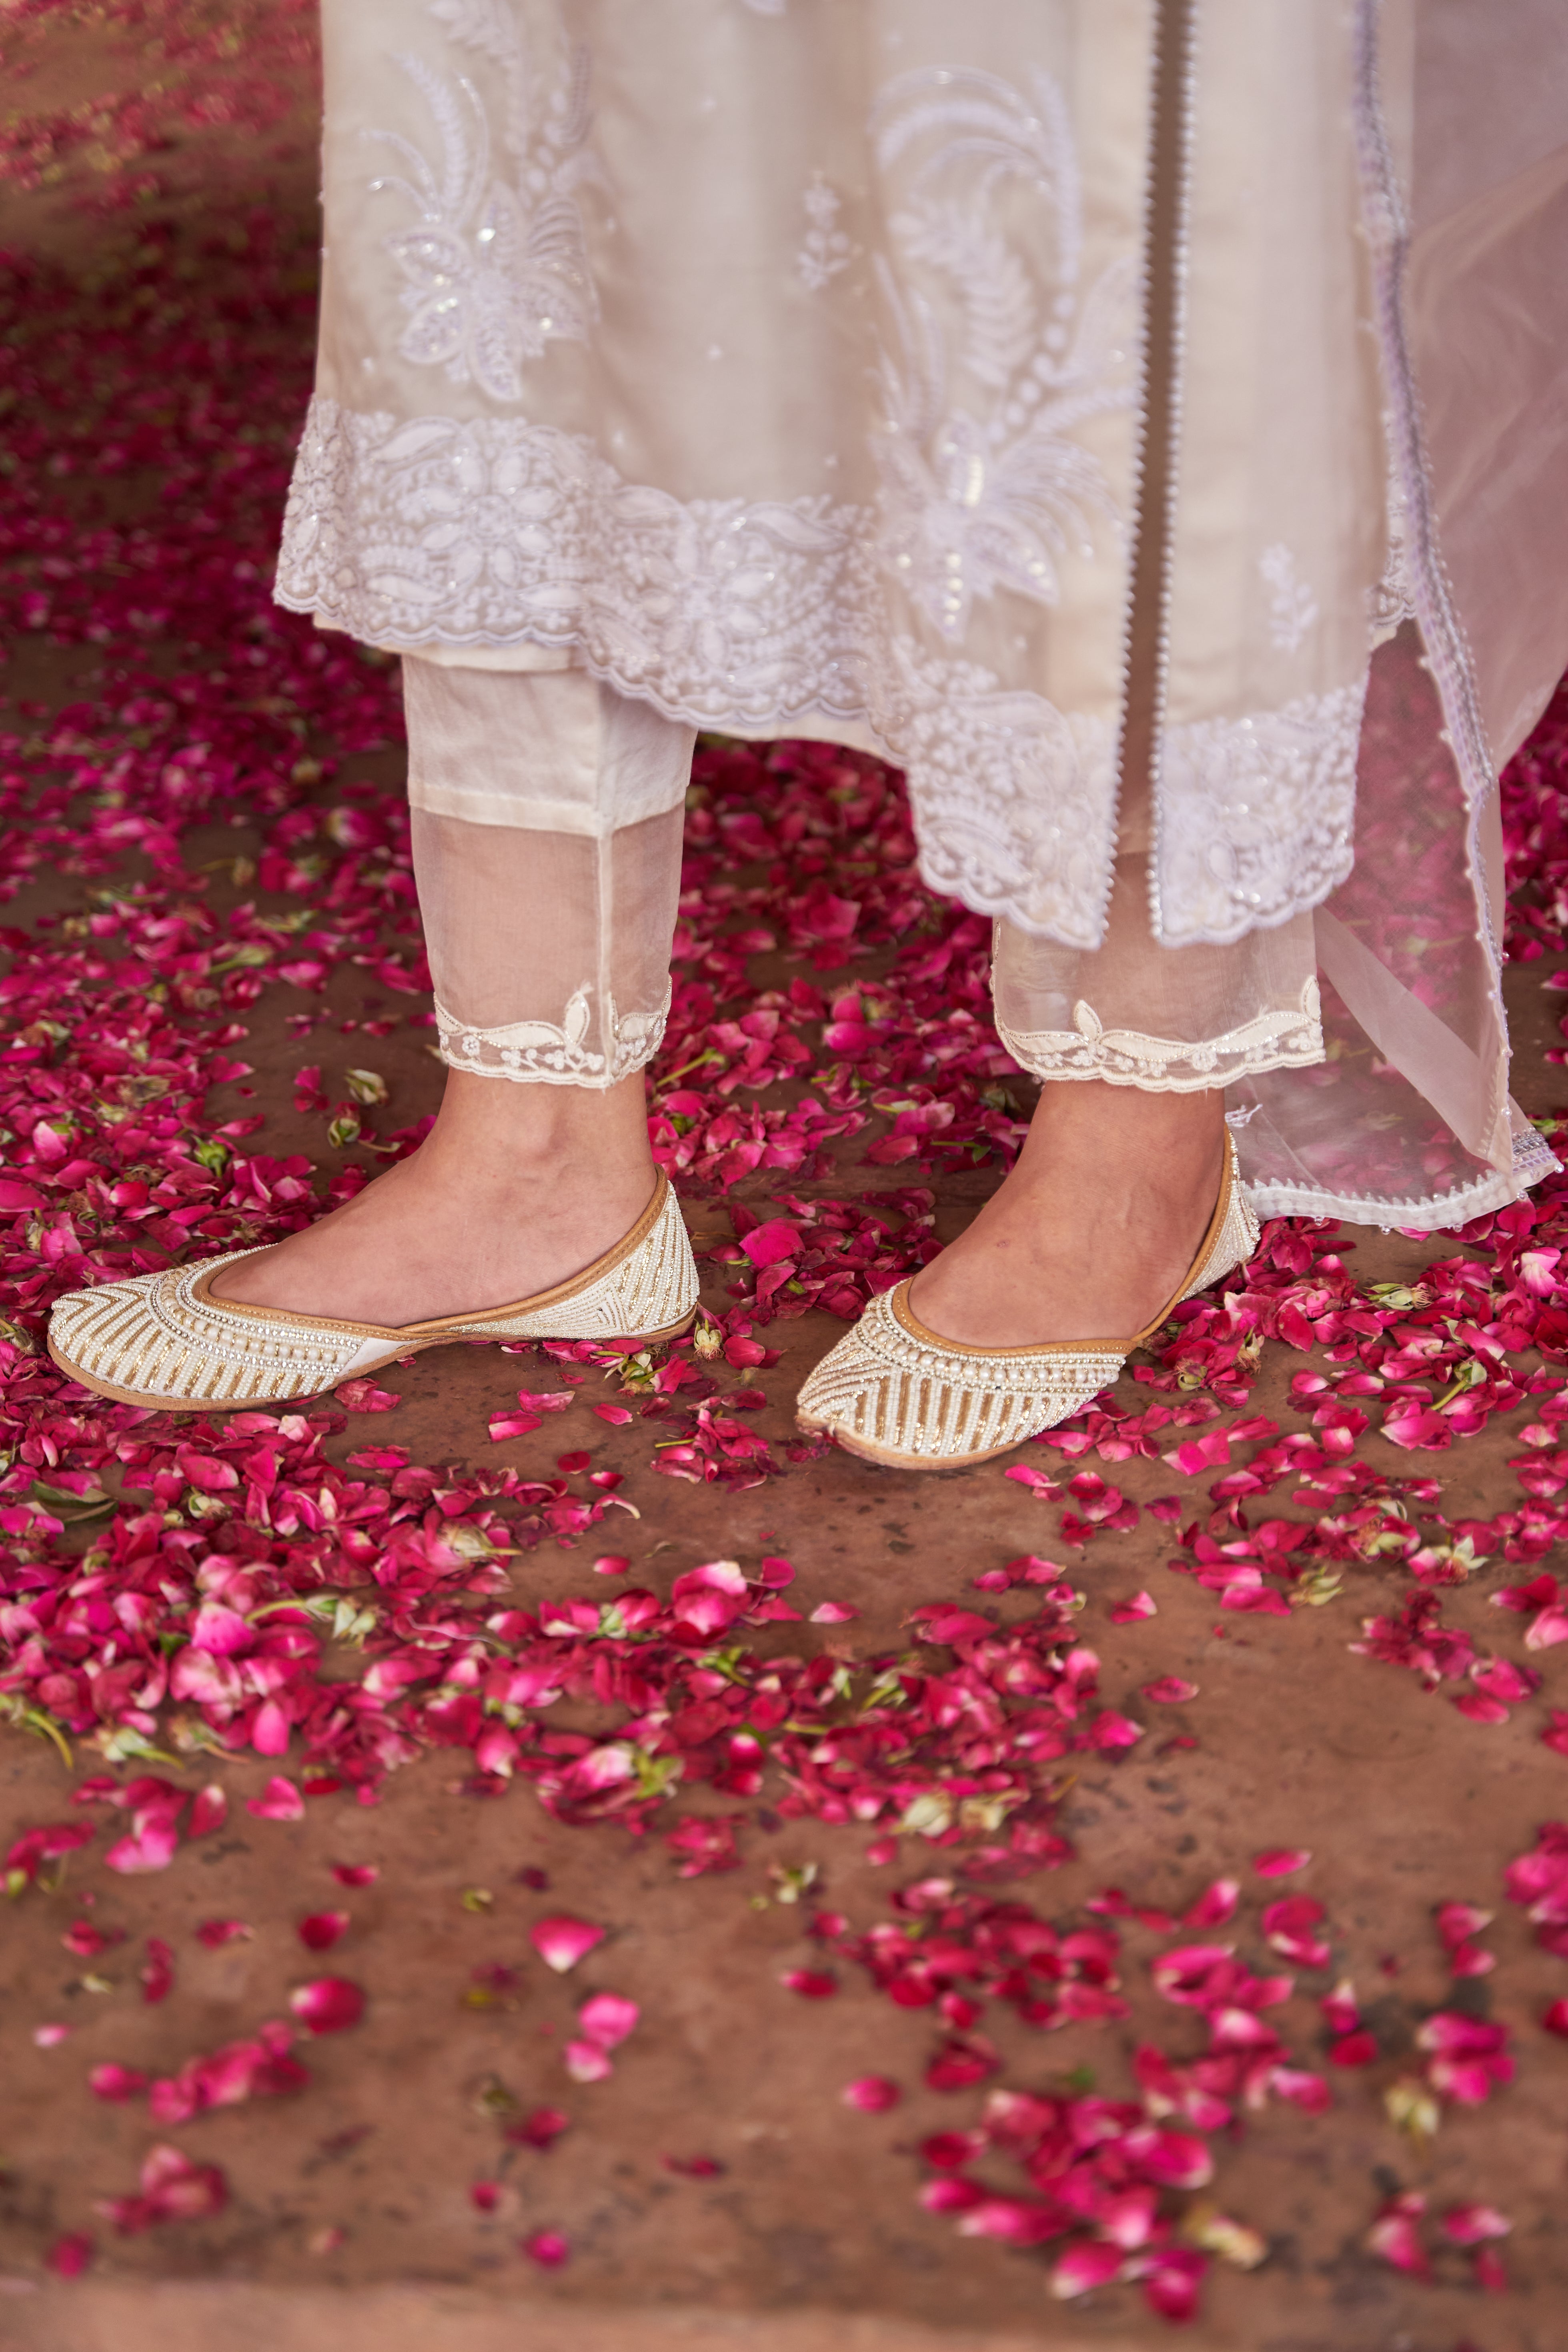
(780, 362)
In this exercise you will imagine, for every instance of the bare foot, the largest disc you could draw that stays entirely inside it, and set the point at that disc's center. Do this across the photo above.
(1095, 1226)
(516, 1188)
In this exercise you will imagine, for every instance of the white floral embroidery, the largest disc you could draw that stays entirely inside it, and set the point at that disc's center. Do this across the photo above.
(562, 1055)
(496, 267)
(1292, 608)
(977, 499)
(490, 532)
(1287, 1039)
(493, 532)
(1255, 817)
(825, 249)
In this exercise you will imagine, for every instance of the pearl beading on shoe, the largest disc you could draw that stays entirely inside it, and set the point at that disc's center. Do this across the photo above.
(899, 1394)
(902, 1393)
(161, 1340)
(151, 1334)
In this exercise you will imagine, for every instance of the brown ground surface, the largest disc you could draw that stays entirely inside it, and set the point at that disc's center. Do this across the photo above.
(810, 2238)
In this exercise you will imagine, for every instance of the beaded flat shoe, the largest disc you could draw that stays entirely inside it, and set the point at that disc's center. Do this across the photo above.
(162, 1340)
(895, 1393)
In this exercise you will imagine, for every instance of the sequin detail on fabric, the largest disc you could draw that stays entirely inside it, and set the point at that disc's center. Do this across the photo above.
(1257, 816)
(495, 267)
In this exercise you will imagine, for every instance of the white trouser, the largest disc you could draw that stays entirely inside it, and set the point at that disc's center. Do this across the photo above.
(547, 835)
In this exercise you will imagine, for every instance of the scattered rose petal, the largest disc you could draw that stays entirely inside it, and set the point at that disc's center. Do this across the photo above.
(562, 1942)
(69, 2256)
(548, 2248)
(541, 2129)
(328, 2004)
(173, 2190)
(605, 2018)
(1467, 2225)
(158, 1971)
(1280, 1860)
(210, 1810)
(588, 2061)
(1129, 1613)
(280, 1802)
(872, 2093)
(215, 1933)
(363, 1396)
(117, 2082)
(321, 1930)
(1169, 1690)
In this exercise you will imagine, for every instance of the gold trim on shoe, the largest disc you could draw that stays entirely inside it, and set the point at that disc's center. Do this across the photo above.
(162, 1340)
(895, 1393)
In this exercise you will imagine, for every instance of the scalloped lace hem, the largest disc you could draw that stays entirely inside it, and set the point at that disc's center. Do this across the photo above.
(551, 1054)
(1288, 1039)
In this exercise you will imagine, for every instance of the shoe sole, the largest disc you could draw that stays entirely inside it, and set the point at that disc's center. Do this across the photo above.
(885, 1459)
(210, 1406)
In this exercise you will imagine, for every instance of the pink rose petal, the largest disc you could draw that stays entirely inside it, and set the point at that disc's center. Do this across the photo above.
(607, 2019)
(215, 1933)
(210, 1811)
(69, 2256)
(328, 2004)
(280, 1803)
(548, 2248)
(561, 1942)
(322, 1929)
(1280, 1860)
(117, 2082)
(588, 2061)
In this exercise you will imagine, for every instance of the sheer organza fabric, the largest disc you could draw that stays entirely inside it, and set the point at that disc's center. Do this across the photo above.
(546, 833)
(546, 820)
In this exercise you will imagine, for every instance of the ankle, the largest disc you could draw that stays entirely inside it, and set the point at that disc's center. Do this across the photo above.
(494, 1138)
(1090, 1136)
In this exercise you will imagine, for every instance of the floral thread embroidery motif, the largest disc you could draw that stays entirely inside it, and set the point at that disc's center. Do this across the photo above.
(557, 1054)
(495, 532)
(1256, 817)
(496, 267)
(1285, 1039)
(825, 249)
(1292, 608)
(990, 496)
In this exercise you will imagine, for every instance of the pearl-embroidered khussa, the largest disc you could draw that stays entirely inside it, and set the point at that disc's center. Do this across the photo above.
(162, 1340)
(899, 1395)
